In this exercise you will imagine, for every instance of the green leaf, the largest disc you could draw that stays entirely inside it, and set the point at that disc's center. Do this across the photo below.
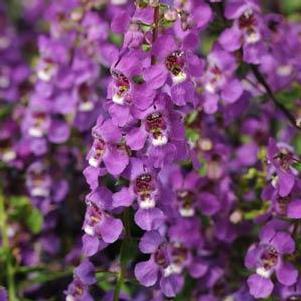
(290, 6)
(289, 97)
(138, 79)
(166, 23)
(192, 117)
(250, 215)
(192, 135)
(116, 39)
(19, 201)
(297, 143)
(203, 170)
(34, 221)
(141, 3)
(146, 47)
(105, 280)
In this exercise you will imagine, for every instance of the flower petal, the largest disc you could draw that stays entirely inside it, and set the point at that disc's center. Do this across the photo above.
(150, 242)
(284, 243)
(124, 198)
(146, 272)
(149, 219)
(115, 160)
(294, 209)
(171, 285)
(110, 229)
(260, 287)
(287, 274)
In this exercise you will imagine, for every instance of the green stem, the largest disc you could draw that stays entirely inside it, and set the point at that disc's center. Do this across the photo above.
(155, 29)
(260, 78)
(122, 272)
(5, 245)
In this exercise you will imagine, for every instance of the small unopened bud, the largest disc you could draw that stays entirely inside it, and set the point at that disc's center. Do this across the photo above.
(77, 14)
(170, 15)
(236, 217)
(141, 3)
(118, 2)
(205, 144)
(154, 3)
(298, 122)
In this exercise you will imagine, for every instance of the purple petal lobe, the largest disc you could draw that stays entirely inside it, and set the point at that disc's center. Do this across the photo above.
(110, 229)
(287, 274)
(232, 91)
(146, 272)
(85, 271)
(90, 245)
(284, 243)
(294, 209)
(115, 161)
(149, 219)
(150, 242)
(260, 287)
(124, 197)
(171, 285)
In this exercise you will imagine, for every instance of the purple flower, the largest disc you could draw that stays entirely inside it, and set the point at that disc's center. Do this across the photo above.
(178, 233)
(84, 275)
(123, 89)
(162, 265)
(145, 189)
(101, 224)
(38, 180)
(292, 292)
(37, 123)
(289, 206)
(85, 272)
(108, 148)
(266, 257)
(78, 291)
(161, 127)
(3, 294)
(8, 149)
(246, 30)
(184, 190)
(281, 159)
(195, 17)
(219, 81)
(175, 61)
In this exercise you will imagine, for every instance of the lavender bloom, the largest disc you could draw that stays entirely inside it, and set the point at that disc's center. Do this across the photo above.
(127, 87)
(160, 263)
(184, 192)
(107, 147)
(78, 289)
(3, 294)
(246, 30)
(145, 189)
(161, 127)
(267, 257)
(100, 227)
(181, 64)
(281, 159)
(292, 292)
(38, 180)
(219, 80)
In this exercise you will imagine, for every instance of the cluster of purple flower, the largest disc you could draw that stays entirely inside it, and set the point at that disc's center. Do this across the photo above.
(189, 108)
(48, 111)
(175, 164)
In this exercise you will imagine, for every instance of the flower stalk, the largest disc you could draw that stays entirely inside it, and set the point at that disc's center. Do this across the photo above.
(123, 259)
(270, 93)
(5, 245)
(155, 29)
